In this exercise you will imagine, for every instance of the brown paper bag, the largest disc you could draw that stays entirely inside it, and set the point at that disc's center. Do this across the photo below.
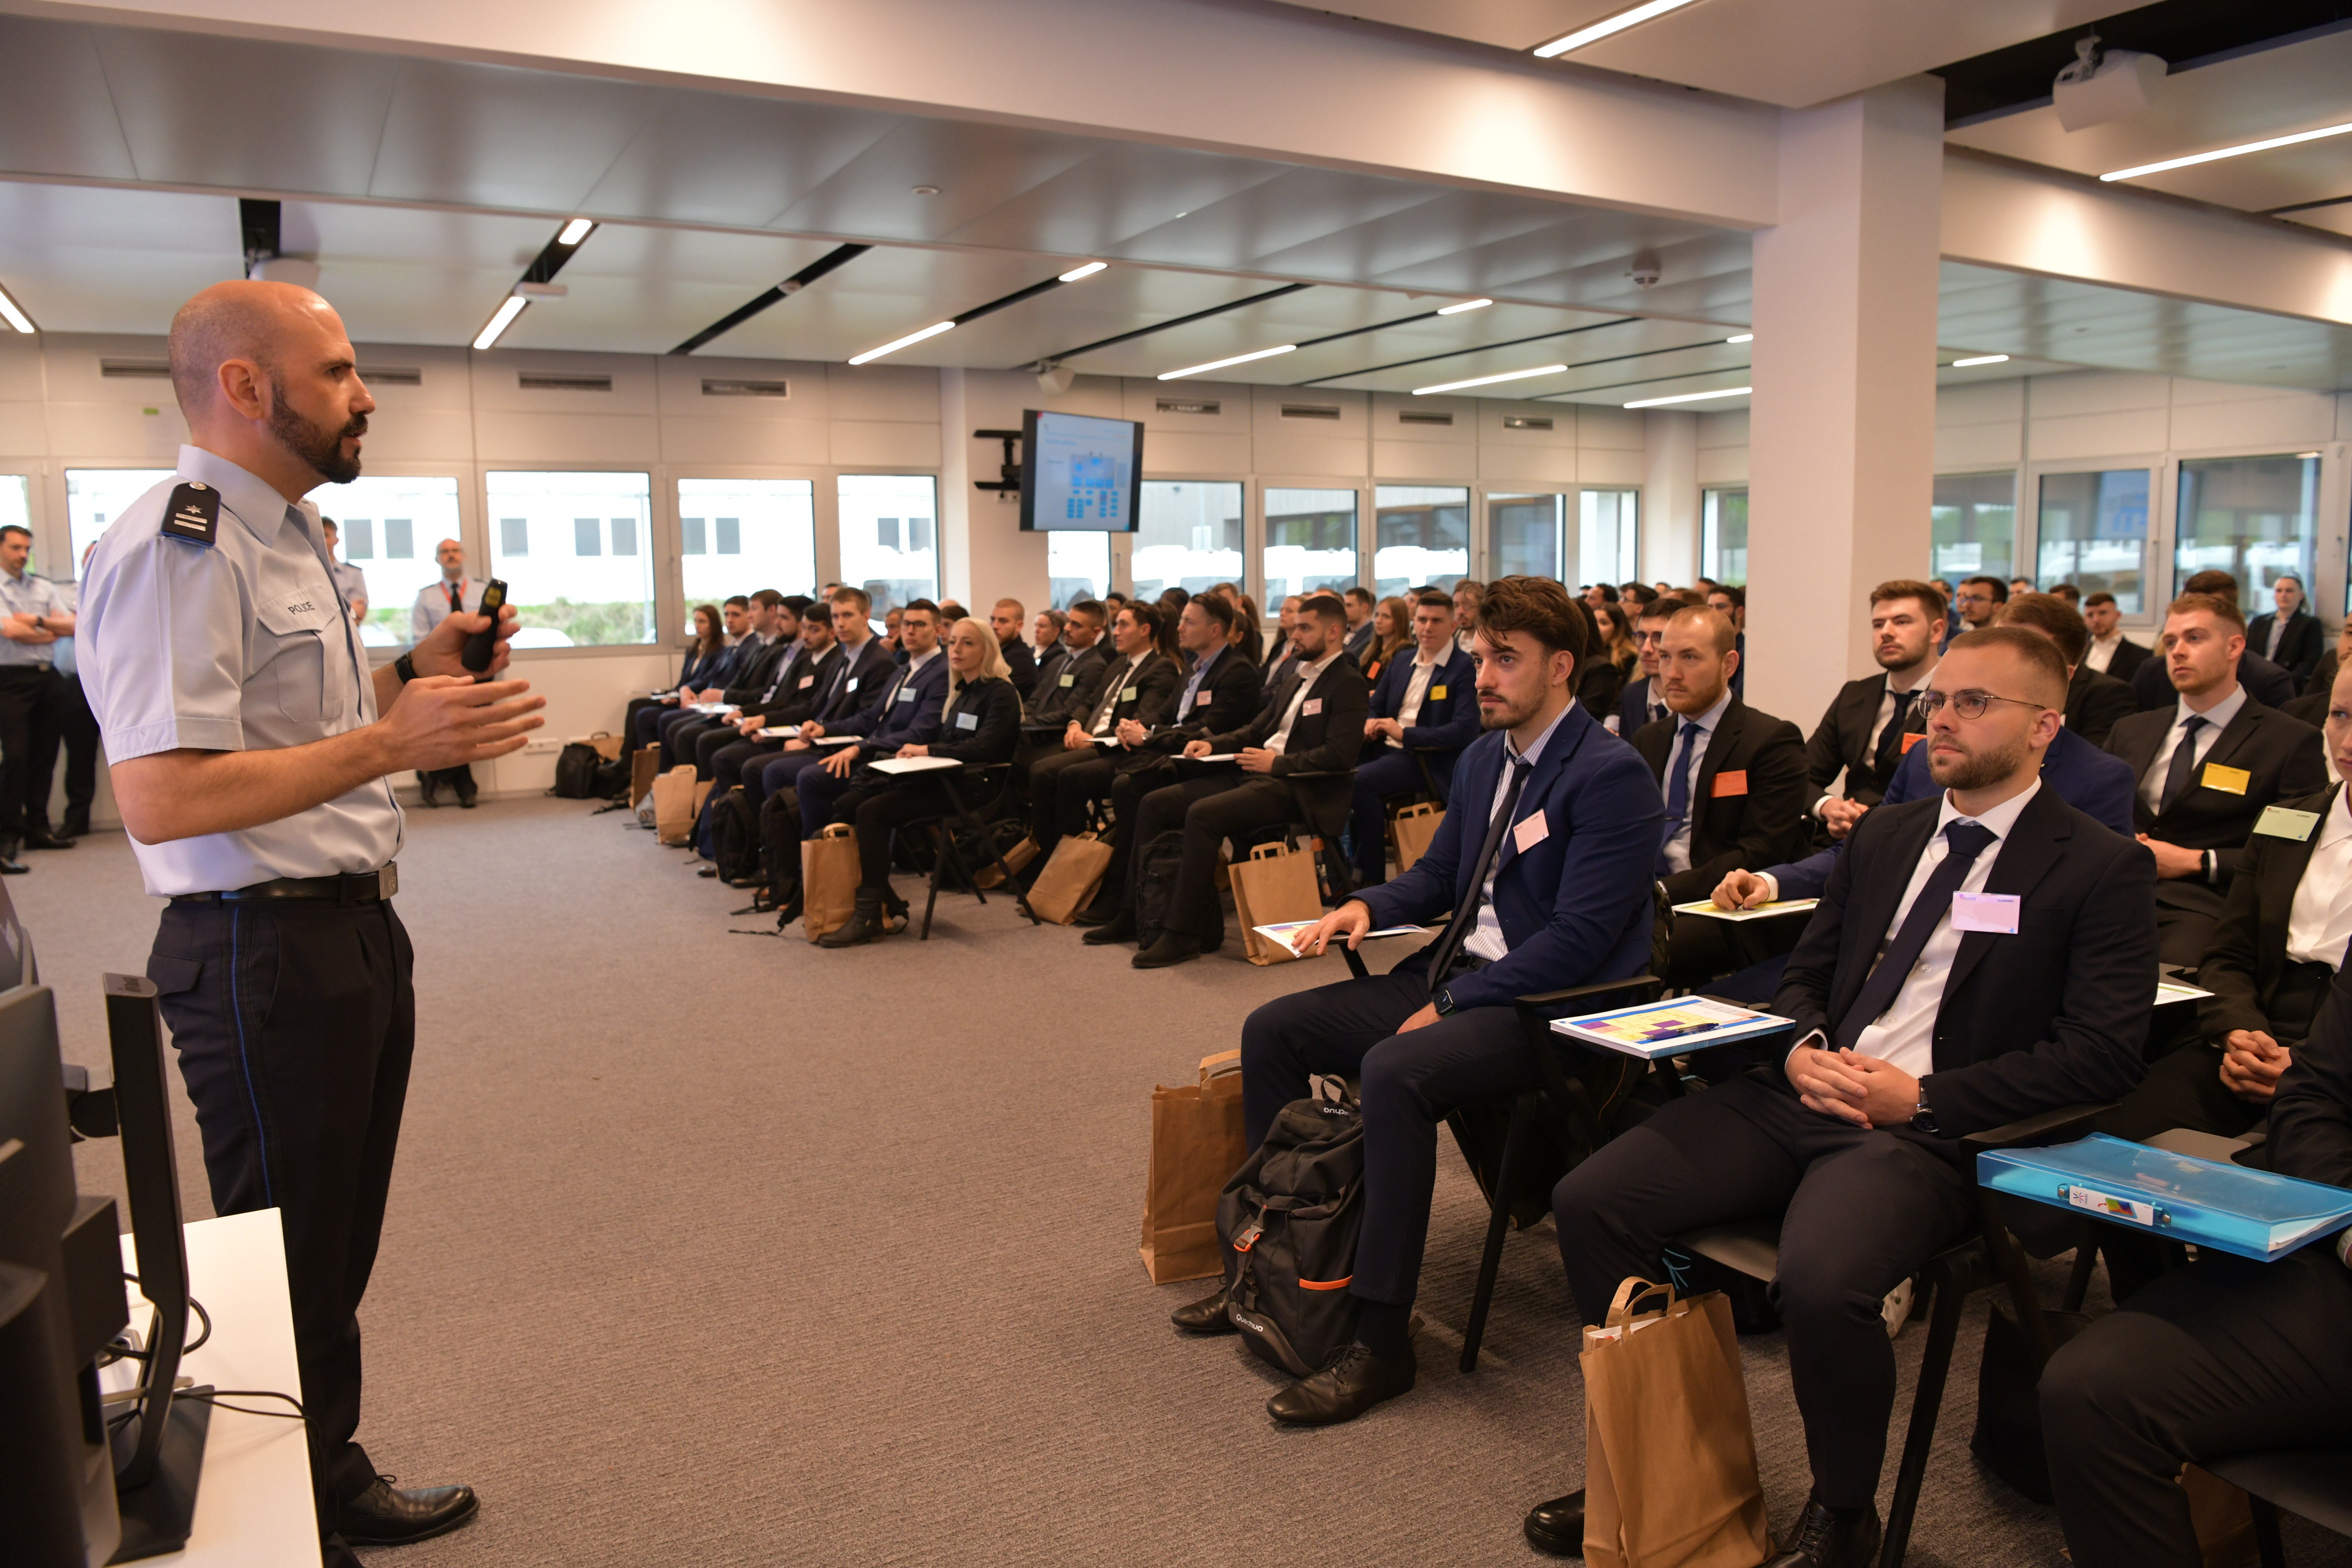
(607, 744)
(645, 766)
(1020, 855)
(674, 800)
(829, 876)
(1274, 884)
(1669, 1457)
(1415, 827)
(1067, 884)
(2223, 1519)
(1196, 1146)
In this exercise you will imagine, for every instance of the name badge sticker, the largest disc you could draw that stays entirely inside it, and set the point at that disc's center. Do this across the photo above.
(1069, 681)
(1911, 740)
(2286, 822)
(1313, 706)
(1995, 912)
(1201, 700)
(967, 720)
(1530, 831)
(1437, 694)
(852, 685)
(806, 681)
(1734, 782)
(1130, 693)
(906, 694)
(2230, 781)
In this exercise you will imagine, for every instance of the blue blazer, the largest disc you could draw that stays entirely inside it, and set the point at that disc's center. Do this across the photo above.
(1576, 907)
(702, 674)
(1449, 711)
(2092, 781)
(908, 715)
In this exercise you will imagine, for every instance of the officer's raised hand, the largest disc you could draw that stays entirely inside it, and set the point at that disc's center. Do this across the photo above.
(438, 653)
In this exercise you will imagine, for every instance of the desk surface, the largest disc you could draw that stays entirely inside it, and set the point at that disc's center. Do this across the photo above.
(253, 1504)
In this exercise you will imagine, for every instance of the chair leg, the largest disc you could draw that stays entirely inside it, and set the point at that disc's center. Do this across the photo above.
(1498, 1225)
(932, 900)
(1926, 1402)
(2268, 1547)
(2086, 1263)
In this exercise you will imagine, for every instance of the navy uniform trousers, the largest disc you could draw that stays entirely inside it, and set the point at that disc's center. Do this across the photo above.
(295, 1020)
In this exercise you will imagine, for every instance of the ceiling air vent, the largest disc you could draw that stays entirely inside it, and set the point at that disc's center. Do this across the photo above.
(1310, 411)
(721, 387)
(154, 368)
(1527, 421)
(554, 381)
(1423, 416)
(1190, 405)
(391, 375)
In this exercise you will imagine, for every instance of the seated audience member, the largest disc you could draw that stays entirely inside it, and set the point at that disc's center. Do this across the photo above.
(2208, 768)
(700, 743)
(857, 687)
(1636, 595)
(1362, 635)
(1275, 663)
(2323, 679)
(908, 715)
(1313, 722)
(1246, 632)
(1545, 869)
(1137, 687)
(978, 725)
(1910, 1035)
(701, 676)
(1640, 703)
(1392, 635)
(2093, 702)
(1467, 594)
(1422, 710)
(1977, 601)
(2260, 679)
(810, 680)
(2111, 652)
(1062, 682)
(891, 645)
(1867, 732)
(1616, 648)
(2071, 593)
(1046, 636)
(2288, 634)
(1006, 620)
(1730, 601)
(2225, 1356)
(775, 629)
(2020, 585)
(1598, 682)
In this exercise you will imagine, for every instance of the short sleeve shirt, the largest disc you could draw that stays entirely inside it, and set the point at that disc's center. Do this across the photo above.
(240, 645)
(28, 595)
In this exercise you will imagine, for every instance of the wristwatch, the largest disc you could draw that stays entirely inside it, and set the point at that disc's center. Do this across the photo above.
(1444, 1002)
(404, 667)
(1924, 1117)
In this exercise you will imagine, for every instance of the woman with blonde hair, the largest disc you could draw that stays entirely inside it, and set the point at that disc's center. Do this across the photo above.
(1391, 631)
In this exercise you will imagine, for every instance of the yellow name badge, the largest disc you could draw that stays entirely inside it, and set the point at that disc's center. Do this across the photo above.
(2231, 781)
(1437, 694)
(2286, 822)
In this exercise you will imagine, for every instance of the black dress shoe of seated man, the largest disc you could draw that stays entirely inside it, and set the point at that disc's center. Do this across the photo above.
(1174, 947)
(385, 1516)
(1354, 1382)
(1557, 1526)
(1832, 1538)
(1120, 928)
(1205, 1316)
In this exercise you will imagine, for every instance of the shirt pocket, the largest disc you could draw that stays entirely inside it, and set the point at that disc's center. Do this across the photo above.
(294, 654)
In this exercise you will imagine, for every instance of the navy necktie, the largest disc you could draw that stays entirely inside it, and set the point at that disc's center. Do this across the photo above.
(1890, 740)
(1964, 841)
(2184, 764)
(456, 599)
(1465, 910)
(1678, 793)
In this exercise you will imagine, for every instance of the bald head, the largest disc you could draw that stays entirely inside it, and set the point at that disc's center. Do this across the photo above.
(246, 319)
(266, 377)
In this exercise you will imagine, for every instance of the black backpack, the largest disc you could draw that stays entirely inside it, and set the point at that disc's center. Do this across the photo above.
(734, 837)
(1155, 886)
(779, 846)
(1288, 1222)
(575, 771)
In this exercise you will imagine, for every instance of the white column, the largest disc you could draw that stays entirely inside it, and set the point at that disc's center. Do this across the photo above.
(955, 487)
(1842, 456)
(1669, 495)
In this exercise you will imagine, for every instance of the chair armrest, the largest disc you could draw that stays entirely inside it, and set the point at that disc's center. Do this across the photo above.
(2060, 1126)
(1649, 982)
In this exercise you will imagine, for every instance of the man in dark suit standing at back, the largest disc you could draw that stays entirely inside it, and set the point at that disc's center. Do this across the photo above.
(1978, 957)
(2266, 682)
(1870, 725)
(2208, 767)
(2289, 634)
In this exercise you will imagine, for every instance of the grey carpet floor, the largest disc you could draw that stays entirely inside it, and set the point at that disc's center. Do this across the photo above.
(707, 1249)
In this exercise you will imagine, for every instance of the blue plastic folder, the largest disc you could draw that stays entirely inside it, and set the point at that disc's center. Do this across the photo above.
(2201, 1203)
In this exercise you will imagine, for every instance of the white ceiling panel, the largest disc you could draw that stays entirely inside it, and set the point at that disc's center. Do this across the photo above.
(738, 162)
(59, 119)
(472, 135)
(976, 168)
(93, 261)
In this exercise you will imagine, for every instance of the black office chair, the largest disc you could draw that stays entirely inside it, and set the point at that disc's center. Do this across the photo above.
(2312, 1483)
(990, 784)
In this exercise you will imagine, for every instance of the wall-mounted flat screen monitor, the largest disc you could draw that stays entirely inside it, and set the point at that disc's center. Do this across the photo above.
(1078, 471)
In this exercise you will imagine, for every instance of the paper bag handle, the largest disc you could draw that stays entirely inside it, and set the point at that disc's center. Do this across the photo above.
(1222, 1062)
(1269, 851)
(837, 830)
(1635, 1289)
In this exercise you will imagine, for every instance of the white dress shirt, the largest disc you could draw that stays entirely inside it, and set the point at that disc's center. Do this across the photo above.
(2320, 922)
(2217, 719)
(1416, 691)
(1678, 846)
(1308, 675)
(1487, 941)
(1109, 702)
(1904, 1033)
(2103, 651)
(2278, 635)
(1886, 698)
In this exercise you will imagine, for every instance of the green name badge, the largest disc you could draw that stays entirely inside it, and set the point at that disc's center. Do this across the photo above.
(2284, 822)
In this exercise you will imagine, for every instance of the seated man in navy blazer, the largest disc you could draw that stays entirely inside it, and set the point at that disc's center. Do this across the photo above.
(1977, 958)
(1544, 862)
(1422, 710)
(908, 715)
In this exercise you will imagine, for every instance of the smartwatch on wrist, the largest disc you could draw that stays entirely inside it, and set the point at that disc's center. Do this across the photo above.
(1444, 1002)
(404, 667)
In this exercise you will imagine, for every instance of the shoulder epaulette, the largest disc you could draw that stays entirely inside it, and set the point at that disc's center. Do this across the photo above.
(193, 513)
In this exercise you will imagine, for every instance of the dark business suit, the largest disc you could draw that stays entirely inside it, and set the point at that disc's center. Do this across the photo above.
(1840, 742)
(2052, 1015)
(2093, 703)
(754, 671)
(2266, 682)
(1065, 782)
(1446, 722)
(2281, 757)
(1223, 802)
(1222, 700)
(1574, 908)
(1633, 705)
(800, 688)
(1019, 661)
(2227, 1355)
(1754, 827)
(2323, 679)
(1359, 645)
(2127, 658)
(855, 686)
(2300, 645)
(908, 714)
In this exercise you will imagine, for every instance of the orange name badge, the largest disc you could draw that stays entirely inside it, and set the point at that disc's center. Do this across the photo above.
(1911, 740)
(1735, 783)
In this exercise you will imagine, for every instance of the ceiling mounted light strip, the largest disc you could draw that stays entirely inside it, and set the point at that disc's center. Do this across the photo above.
(933, 331)
(1222, 363)
(2238, 152)
(1690, 397)
(575, 231)
(792, 285)
(1089, 270)
(1608, 27)
(1740, 338)
(14, 314)
(1466, 305)
(1171, 322)
(509, 308)
(1490, 380)
(1472, 349)
(1980, 359)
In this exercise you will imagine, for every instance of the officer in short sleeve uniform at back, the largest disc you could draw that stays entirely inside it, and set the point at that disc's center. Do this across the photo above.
(250, 746)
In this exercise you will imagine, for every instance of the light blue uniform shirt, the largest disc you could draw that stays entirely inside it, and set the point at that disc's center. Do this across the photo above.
(29, 594)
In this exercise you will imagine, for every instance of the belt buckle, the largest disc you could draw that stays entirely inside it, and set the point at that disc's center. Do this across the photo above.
(387, 881)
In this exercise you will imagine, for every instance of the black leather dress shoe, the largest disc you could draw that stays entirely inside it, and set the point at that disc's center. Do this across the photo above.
(1557, 1526)
(428, 789)
(1205, 1316)
(1354, 1382)
(385, 1516)
(1120, 928)
(42, 838)
(1174, 947)
(9, 865)
(1832, 1538)
(466, 799)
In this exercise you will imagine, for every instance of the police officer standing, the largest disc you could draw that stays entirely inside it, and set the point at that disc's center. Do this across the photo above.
(249, 746)
(32, 616)
(350, 580)
(455, 594)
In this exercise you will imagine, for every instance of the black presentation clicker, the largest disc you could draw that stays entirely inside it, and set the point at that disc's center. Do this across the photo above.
(476, 656)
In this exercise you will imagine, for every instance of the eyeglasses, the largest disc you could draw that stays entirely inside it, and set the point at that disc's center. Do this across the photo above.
(1967, 704)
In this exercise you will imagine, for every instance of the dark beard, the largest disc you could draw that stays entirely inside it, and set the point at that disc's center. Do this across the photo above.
(311, 442)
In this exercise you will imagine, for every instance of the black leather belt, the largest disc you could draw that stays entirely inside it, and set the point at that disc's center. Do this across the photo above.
(351, 887)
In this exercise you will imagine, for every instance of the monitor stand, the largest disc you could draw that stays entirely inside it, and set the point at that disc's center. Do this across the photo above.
(157, 1517)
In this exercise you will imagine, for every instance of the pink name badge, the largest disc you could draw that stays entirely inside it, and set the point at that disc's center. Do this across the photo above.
(1995, 912)
(1201, 700)
(1313, 706)
(1528, 832)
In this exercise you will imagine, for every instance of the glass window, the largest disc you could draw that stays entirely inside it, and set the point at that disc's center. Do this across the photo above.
(1525, 534)
(1078, 565)
(380, 518)
(744, 535)
(1188, 536)
(566, 587)
(96, 497)
(890, 537)
(17, 510)
(1973, 526)
(1311, 543)
(1722, 537)
(1421, 534)
(2093, 534)
(2254, 518)
(1609, 538)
